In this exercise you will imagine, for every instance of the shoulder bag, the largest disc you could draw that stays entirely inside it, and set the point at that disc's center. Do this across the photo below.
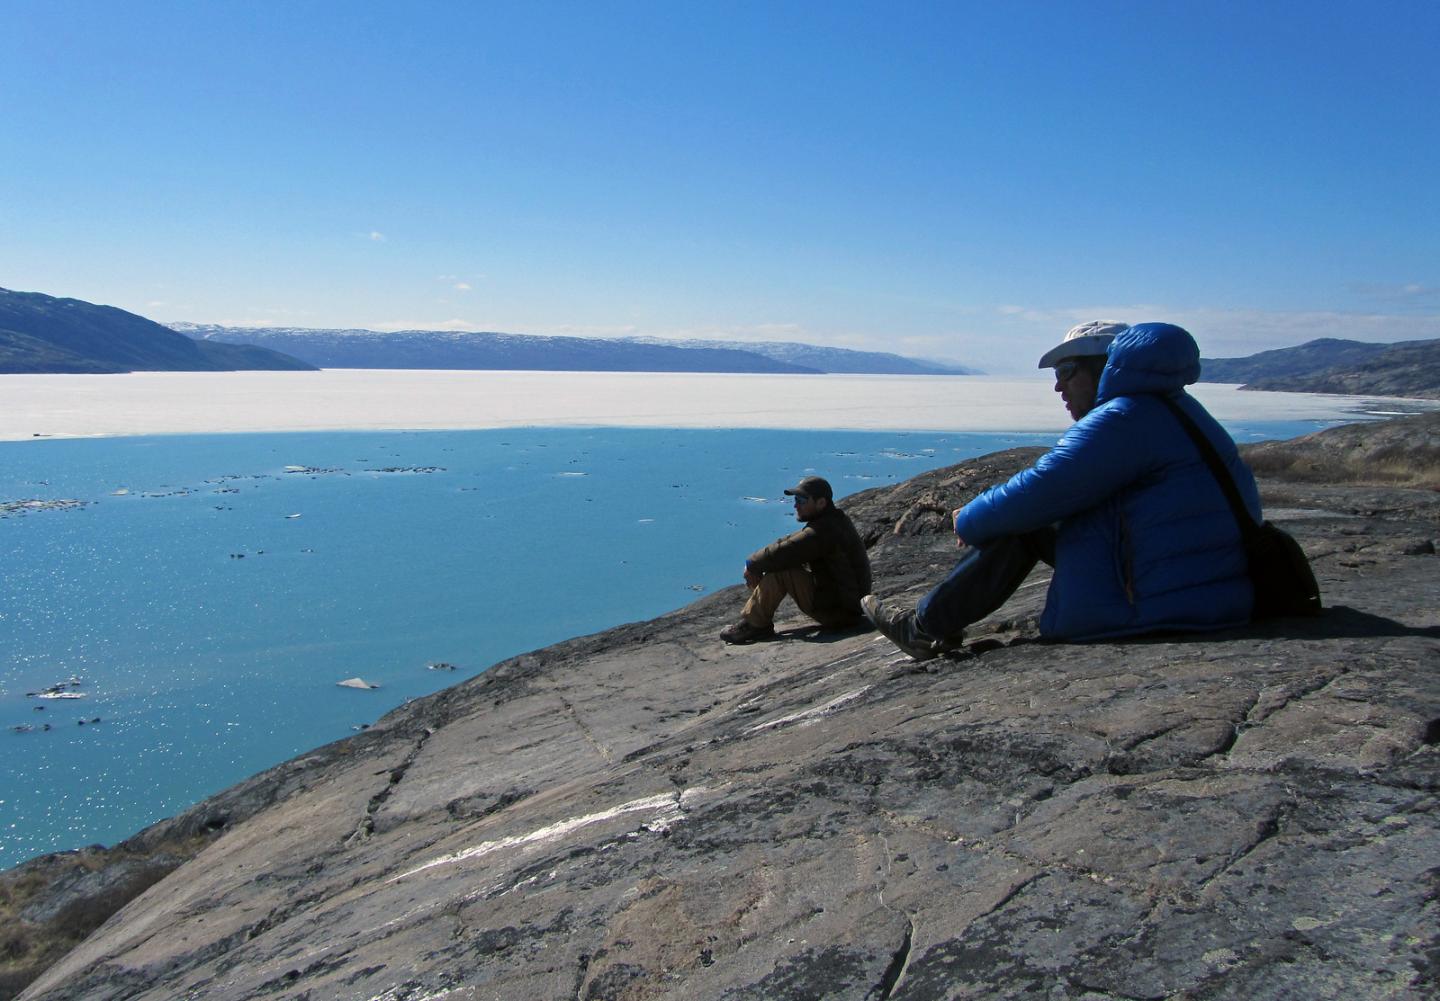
(1284, 583)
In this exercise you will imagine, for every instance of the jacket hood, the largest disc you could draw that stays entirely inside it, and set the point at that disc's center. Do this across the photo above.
(1156, 358)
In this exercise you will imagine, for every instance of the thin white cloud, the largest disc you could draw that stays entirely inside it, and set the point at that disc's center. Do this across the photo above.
(457, 325)
(586, 330)
(747, 334)
(926, 344)
(376, 236)
(1407, 293)
(263, 316)
(1066, 317)
(461, 286)
(1236, 333)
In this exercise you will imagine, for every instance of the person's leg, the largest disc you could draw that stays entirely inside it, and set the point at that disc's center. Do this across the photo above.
(757, 619)
(759, 611)
(981, 582)
(978, 585)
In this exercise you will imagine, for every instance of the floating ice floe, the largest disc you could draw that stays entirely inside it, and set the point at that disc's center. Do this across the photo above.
(59, 690)
(289, 517)
(20, 507)
(441, 665)
(356, 683)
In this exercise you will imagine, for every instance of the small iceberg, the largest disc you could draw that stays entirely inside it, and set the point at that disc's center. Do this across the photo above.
(289, 517)
(441, 665)
(120, 493)
(356, 683)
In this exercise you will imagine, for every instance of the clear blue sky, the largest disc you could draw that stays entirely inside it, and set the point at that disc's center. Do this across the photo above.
(955, 180)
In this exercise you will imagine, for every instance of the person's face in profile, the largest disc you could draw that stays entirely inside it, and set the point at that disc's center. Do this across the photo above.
(807, 507)
(1077, 385)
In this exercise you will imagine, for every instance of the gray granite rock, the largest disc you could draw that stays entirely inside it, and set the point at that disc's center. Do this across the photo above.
(647, 813)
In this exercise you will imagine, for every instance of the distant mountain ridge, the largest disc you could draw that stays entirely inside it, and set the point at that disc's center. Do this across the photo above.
(1331, 365)
(442, 349)
(1302, 360)
(42, 333)
(831, 360)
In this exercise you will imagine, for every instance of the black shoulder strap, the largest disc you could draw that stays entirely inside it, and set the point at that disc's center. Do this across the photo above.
(1217, 467)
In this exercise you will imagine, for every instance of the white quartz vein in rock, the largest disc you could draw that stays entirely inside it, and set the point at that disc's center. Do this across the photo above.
(668, 808)
(813, 713)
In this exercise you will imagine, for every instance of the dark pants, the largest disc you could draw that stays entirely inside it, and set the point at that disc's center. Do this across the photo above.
(981, 582)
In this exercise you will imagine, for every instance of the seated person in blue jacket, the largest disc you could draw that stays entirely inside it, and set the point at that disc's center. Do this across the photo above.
(1124, 508)
(823, 568)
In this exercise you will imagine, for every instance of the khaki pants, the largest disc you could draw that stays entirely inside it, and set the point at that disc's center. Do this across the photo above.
(759, 611)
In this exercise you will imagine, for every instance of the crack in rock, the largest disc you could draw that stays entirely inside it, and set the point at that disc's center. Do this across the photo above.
(893, 974)
(585, 731)
(366, 827)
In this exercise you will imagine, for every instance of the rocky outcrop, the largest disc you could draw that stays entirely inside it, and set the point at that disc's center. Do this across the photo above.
(647, 813)
(1392, 453)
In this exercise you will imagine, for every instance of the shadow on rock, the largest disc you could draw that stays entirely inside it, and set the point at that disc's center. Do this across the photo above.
(820, 634)
(1333, 622)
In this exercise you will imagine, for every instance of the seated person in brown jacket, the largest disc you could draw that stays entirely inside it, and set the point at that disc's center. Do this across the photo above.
(823, 568)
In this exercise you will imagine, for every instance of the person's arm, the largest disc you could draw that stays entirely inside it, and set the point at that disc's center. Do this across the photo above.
(1101, 454)
(793, 551)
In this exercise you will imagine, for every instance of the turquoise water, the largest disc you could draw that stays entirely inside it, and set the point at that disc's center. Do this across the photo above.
(209, 625)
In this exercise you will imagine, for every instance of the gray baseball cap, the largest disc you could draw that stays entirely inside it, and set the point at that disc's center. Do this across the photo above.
(1092, 338)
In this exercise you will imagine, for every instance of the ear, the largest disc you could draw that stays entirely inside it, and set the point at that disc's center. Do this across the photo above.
(822, 503)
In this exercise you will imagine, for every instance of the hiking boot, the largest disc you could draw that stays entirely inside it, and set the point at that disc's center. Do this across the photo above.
(744, 632)
(899, 627)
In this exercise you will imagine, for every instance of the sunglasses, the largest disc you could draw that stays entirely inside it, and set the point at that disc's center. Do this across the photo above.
(800, 498)
(1065, 370)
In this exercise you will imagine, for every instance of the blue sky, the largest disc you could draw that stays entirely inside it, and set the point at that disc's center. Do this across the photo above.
(953, 180)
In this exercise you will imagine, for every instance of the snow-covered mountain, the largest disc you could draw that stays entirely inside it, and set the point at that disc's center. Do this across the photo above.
(444, 349)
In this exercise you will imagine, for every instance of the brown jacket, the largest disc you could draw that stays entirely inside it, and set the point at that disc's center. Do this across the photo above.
(830, 548)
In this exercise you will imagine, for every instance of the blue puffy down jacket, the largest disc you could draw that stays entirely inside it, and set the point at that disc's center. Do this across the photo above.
(1145, 539)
